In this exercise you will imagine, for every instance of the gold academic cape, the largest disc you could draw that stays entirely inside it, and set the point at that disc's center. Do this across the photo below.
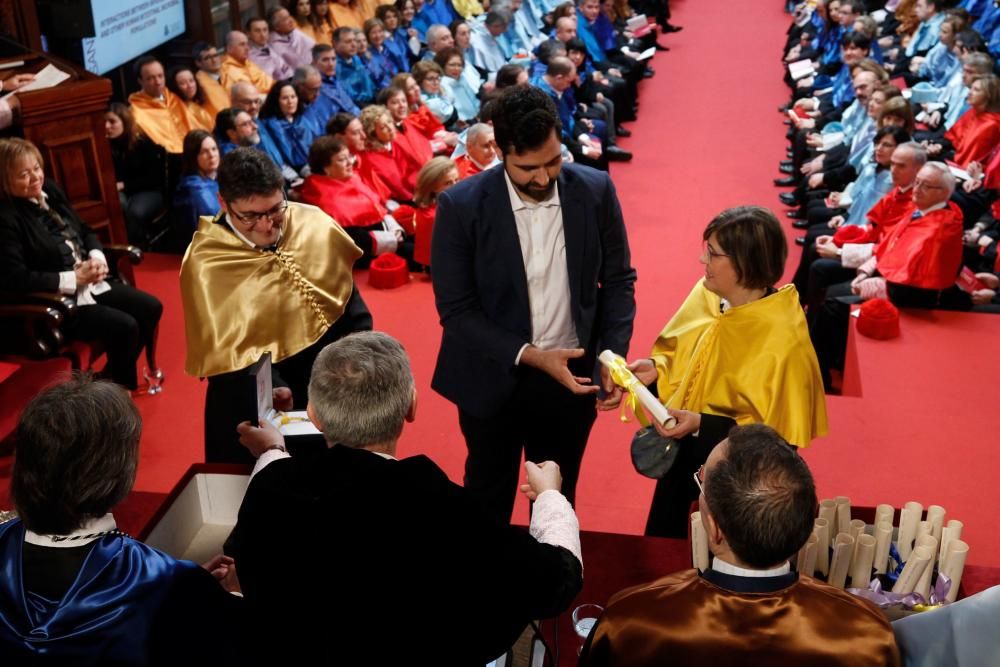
(200, 117)
(216, 97)
(240, 302)
(683, 619)
(754, 363)
(166, 122)
(233, 72)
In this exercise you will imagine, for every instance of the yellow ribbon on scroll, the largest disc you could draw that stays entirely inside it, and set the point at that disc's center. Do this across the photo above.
(637, 395)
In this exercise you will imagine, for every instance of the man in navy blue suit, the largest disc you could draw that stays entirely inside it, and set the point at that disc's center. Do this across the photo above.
(532, 279)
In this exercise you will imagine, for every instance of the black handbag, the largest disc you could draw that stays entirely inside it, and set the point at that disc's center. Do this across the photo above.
(653, 454)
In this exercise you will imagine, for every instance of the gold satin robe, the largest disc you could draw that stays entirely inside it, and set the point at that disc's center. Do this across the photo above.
(200, 117)
(240, 302)
(216, 97)
(164, 121)
(754, 363)
(682, 619)
(233, 72)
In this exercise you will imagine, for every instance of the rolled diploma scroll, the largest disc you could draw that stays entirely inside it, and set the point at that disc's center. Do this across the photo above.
(924, 583)
(841, 564)
(919, 560)
(806, 564)
(909, 518)
(935, 514)
(828, 511)
(864, 555)
(923, 528)
(883, 539)
(699, 543)
(954, 565)
(631, 384)
(822, 531)
(884, 513)
(952, 531)
(843, 514)
(856, 528)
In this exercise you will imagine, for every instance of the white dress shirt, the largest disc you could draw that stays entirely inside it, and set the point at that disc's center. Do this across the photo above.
(543, 250)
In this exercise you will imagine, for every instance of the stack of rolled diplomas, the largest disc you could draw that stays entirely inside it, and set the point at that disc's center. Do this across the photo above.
(907, 559)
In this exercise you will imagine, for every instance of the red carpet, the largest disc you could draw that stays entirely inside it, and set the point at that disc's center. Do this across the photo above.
(708, 138)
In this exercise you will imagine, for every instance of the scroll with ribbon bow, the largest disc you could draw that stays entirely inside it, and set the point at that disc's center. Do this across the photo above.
(636, 393)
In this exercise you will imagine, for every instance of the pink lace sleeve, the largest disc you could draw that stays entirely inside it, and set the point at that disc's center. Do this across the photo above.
(554, 522)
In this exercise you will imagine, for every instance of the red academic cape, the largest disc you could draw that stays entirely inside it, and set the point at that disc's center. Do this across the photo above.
(350, 202)
(974, 136)
(415, 149)
(424, 224)
(424, 121)
(991, 179)
(466, 167)
(925, 252)
(372, 179)
(889, 210)
(389, 166)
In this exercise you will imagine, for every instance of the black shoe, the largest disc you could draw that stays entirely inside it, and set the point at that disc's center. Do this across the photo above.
(800, 241)
(616, 154)
(667, 27)
(796, 214)
(622, 132)
(785, 181)
(785, 168)
(660, 47)
(788, 199)
(801, 224)
(648, 74)
(786, 163)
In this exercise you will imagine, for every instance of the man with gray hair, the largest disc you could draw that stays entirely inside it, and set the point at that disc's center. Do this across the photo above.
(410, 569)
(480, 151)
(236, 65)
(439, 38)
(485, 50)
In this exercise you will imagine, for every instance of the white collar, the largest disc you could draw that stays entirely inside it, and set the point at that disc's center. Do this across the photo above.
(722, 566)
(518, 204)
(42, 201)
(88, 532)
(281, 233)
(938, 206)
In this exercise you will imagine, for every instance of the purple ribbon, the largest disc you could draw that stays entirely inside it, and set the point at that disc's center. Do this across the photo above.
(874, 593)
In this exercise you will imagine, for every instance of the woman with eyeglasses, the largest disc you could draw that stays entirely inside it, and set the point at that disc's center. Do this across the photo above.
(439, 100)
(736, 352)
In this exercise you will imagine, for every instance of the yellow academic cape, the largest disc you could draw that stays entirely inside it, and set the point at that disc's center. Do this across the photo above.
(754, 363)
(200, 118)
(233, 72)
(240, 302)
(164, 121)
(468, 8)
(352, 16)
(216, 97)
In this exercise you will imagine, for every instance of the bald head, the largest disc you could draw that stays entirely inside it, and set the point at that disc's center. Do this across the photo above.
(566, 28)
(245, 96)
(238, 46)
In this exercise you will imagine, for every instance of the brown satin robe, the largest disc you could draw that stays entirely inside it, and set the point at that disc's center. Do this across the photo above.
(683, 619)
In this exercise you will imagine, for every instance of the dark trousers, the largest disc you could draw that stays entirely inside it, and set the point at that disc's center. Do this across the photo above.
(545, 421)
(122, 322)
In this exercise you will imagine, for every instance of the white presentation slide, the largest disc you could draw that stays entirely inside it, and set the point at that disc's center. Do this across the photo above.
(125, 33)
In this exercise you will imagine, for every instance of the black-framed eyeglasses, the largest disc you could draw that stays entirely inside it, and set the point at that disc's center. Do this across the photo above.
(252, 218)
(713, 253)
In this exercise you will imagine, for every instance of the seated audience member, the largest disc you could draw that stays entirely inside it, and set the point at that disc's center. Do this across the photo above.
(340, 193)
(140, 166)
(439, 38)
(351, 71)
(509, 76)
(261, 52)
(420, 117)
(349, 130)
(438, 99)
(941, 62)
(246, 98)
(383, 158)
(286, 40)
(182, 83)
(266, 275)
(593, 87)
(379, 60)
(462, 34)
(480, 151)
(158, 113)
(956, 94)
(76, 590)
(234, 128)
(485, 48)
(208, 60)
(333, 95)
(46, 247)
(300, 12)
(433, 12)
(320, 22)
(237, 67)
(597, 32)
(413, 146)
(579, 137)
(758, 504)
(396, 38)
(523, 33)
(360, 395)
(347, 13)
(198, 193)
(434, 178)
(461, 84)
(290, 130)
(977, 133)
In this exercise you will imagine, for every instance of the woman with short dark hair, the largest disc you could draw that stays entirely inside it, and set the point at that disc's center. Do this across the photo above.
(736, 352)
(282, 119)
(198, 192)
(76, 590)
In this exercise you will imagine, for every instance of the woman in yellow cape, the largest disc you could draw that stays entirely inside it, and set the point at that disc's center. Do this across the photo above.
(736, 352)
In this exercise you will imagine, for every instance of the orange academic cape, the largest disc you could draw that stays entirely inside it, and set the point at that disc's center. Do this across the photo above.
(232, 71)
(684, 619)
(925, 252)
(164, 121)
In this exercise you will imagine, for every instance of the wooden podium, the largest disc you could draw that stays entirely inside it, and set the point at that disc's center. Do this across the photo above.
(66, 122)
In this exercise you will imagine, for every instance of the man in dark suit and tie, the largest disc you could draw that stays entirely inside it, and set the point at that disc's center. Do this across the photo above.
(532, 279)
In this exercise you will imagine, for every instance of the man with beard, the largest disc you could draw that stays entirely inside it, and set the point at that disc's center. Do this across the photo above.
(532, 278)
